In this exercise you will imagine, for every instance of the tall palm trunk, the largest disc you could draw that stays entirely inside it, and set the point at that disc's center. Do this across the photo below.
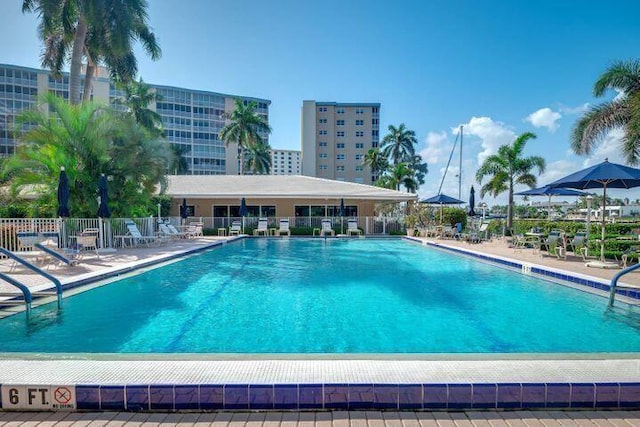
(76, 61)
(241, 155)
(510, 207)
(88, 80)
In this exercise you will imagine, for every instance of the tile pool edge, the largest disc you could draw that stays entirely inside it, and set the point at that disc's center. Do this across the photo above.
(576, 280)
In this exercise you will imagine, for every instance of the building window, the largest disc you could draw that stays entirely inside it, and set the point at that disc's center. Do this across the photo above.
(323, 167)
(339, 122)
(359, 168)
(340, 134)
(340, 168)
(323, 132)
(322, 109)
(340, 145)
(359, 122)
(374, 122)
(359, 133)
(359, 145)
(359, 156)
(323, 155)
(322, 143)
(374, 144)
(340, 157)
(374, 110)
(339, 110)
(359, 111)
(322, 121)
(374, 133)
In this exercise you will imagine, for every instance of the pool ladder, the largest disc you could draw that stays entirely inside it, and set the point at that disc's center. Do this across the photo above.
(614, 283)
(27, 295)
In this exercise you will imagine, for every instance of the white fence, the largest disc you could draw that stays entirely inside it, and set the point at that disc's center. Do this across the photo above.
(68, 228)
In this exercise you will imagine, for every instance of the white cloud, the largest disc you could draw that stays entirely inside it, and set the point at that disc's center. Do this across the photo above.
(492, 135)
(574, 110)
(436, 142)
(545, 117)
(610, 148)
(556, 170)
(619, 95)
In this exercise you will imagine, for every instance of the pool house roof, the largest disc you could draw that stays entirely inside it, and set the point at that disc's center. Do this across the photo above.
(276, 186)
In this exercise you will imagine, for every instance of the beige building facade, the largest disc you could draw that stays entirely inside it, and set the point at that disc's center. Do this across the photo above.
(335, 138)
(286, 162)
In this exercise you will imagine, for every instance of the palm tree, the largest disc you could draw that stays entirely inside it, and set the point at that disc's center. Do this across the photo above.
(87, 139)
(244, 128)
(100, 30)
(621, 112)
(137, 98)
(376, 161)
(507, 167)
(398, 175)
(398, 144)
(258, 158)
(179, 164)
(419, 167)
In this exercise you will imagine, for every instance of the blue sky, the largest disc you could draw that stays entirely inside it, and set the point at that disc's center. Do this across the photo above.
(499, 67)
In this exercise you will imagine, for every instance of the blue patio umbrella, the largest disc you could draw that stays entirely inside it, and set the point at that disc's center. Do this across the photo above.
(551, 191)
(603, 175)
(243, 211)
(103, 209)
(184, 210)
(341, 216)
(441, 199)
(63, 194)
(472, 201)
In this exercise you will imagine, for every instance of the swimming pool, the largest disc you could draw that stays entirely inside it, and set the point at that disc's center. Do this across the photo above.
(333, 296)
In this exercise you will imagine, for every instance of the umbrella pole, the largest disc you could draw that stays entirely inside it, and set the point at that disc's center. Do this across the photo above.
(604, 224)
(549, 209)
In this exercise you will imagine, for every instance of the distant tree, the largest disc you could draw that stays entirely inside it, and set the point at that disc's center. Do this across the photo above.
(376, 161)
(179, 164)
(258, 159)
(244, 128)
(621, 112)
(419, 167)
(397, 176)
(507, 168)
(398, 144)
(137, 97)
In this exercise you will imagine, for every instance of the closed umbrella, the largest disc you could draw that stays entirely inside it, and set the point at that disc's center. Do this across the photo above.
(63, 194)
(103, 208)
(243, 211)
(341, 216)
(603, 175)
(550, 191)
(184, 211)
(472, 201)
(441, 199)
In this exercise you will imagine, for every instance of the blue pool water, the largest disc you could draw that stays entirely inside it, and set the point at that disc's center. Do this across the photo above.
(338, 296)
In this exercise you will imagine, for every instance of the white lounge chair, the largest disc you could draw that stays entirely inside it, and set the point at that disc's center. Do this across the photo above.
(172, 231)
(134, 237)
(352, 228)
(235, 229)
(262, 227)
(88, 241)
(327, 228)
(284, 227)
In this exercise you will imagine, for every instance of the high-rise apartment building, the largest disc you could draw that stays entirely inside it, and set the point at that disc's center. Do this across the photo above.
(191, 118)
(285, 162)
(335, 138)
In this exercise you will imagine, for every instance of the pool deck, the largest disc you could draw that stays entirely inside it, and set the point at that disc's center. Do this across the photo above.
(456, 381)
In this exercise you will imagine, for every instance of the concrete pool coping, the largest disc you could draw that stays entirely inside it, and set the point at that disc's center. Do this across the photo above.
(331, 381)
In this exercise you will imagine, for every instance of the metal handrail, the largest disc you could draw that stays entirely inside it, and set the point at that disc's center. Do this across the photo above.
(25, 290)
(35, 269)
(614, 282)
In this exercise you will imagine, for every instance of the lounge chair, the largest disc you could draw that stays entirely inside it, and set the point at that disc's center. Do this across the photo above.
(134, 237)
(352, 228)
(327, 228)
(195, 229)
(235, 229)
(37, 243)
(555, 245)
(284, 227)
(578, 242)
(172, 231)
(262, 227)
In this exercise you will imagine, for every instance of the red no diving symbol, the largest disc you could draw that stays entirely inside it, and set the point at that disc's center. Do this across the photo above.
(62, 395)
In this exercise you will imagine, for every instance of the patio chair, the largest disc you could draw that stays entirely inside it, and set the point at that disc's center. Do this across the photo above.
(262, 227)
(284, 227)
(175, 232)
(134, 237)
(326, 227)
(235, 229)
(88, 241)
(352, 228)
(195, 229)
(578, 242)
(518, 243)
(555, 245)
(49, 245)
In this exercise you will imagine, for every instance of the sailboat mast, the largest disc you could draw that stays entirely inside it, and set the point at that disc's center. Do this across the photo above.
(460, 169)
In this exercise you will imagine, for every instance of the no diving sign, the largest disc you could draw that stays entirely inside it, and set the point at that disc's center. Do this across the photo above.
(37, 398)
